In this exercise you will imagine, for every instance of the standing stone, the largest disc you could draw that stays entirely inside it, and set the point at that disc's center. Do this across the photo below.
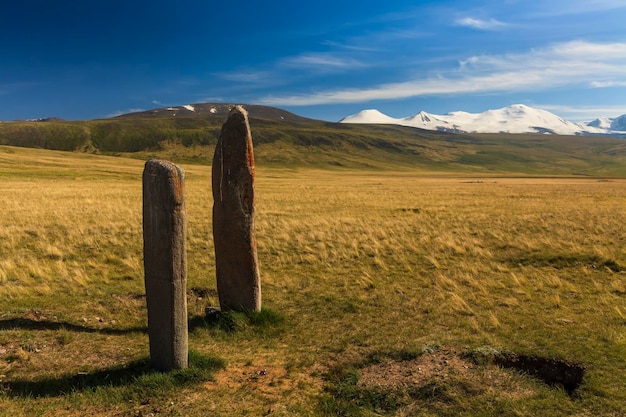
(238, 280)
(165, 264)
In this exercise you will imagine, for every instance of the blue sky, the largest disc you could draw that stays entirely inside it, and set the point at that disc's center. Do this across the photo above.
(323, 59)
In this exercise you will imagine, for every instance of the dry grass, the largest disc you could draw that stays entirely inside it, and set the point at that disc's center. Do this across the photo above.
(356, 262)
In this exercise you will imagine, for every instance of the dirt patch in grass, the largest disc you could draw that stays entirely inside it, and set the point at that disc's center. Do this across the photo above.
(267, 380)
(261, 387)
(440, 379)
(442, 366)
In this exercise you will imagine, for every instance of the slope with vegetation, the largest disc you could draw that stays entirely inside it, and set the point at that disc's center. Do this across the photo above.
(282, 139)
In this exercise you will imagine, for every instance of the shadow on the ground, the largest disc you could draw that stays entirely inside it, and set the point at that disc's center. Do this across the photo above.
(135, 375)
(30, 324)
(135, 378)
(52, 387)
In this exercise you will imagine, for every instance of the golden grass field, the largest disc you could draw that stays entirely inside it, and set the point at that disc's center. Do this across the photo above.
(369, 273)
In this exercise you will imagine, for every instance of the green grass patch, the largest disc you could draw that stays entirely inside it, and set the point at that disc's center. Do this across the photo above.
(266, 321)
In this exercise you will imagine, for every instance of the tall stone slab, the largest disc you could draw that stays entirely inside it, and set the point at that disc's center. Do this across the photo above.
(238, 279)
(165, 264)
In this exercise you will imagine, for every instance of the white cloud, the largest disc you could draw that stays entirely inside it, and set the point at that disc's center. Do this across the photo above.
(211, 99)
(274, 75)
(562, 64)
(607, 84)
(576, 63)
(120, 112)
(583, 114)
(245, 76)
(351, 46)
(322, 62)
(480, 24)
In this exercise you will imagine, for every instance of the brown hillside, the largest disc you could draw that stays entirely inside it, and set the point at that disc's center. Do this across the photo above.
(219, 110)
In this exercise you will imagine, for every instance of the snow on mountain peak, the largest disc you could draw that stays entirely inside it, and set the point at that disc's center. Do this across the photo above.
(370, 116)
(619, 123)
(517, 118)
(423, 116)
(601, 122)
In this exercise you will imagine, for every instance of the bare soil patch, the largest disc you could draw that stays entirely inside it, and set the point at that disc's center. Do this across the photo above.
(442, 366)
(265, 385)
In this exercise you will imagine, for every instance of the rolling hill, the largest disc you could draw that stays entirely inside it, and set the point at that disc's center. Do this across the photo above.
(285, 139)
(219, 111)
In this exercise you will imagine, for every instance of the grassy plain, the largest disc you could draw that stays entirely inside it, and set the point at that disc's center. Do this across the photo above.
(365, 274)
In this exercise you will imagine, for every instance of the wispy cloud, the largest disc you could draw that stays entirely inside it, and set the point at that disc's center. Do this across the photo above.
(608, 84)
(212, 99)
(481, 24)
(579, 63)
(285, 70)
(120, 112)
(351, 46)
(584, 114)
(323, 61)
(246, 76)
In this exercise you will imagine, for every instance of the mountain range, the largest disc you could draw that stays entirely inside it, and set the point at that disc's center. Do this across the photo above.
(517, 118)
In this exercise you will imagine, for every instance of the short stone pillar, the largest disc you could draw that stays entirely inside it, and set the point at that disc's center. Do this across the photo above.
(165, 264)
(236, 264)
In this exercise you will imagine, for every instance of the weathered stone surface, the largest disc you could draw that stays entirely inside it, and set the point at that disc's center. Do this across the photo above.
(165, 264)
(238, 280)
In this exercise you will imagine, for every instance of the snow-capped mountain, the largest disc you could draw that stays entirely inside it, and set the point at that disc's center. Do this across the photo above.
(601, 122)
(517, 118)
(615, 124)
(619, 123)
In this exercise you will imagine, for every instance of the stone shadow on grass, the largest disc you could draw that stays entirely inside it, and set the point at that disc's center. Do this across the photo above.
(30, 324)
(53, 387)
(135, 378)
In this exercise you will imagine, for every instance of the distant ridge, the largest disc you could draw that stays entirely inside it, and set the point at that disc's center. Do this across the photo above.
(616, 124)
(517, 118)
(187, 139)
(41, 119)
(219, 110)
